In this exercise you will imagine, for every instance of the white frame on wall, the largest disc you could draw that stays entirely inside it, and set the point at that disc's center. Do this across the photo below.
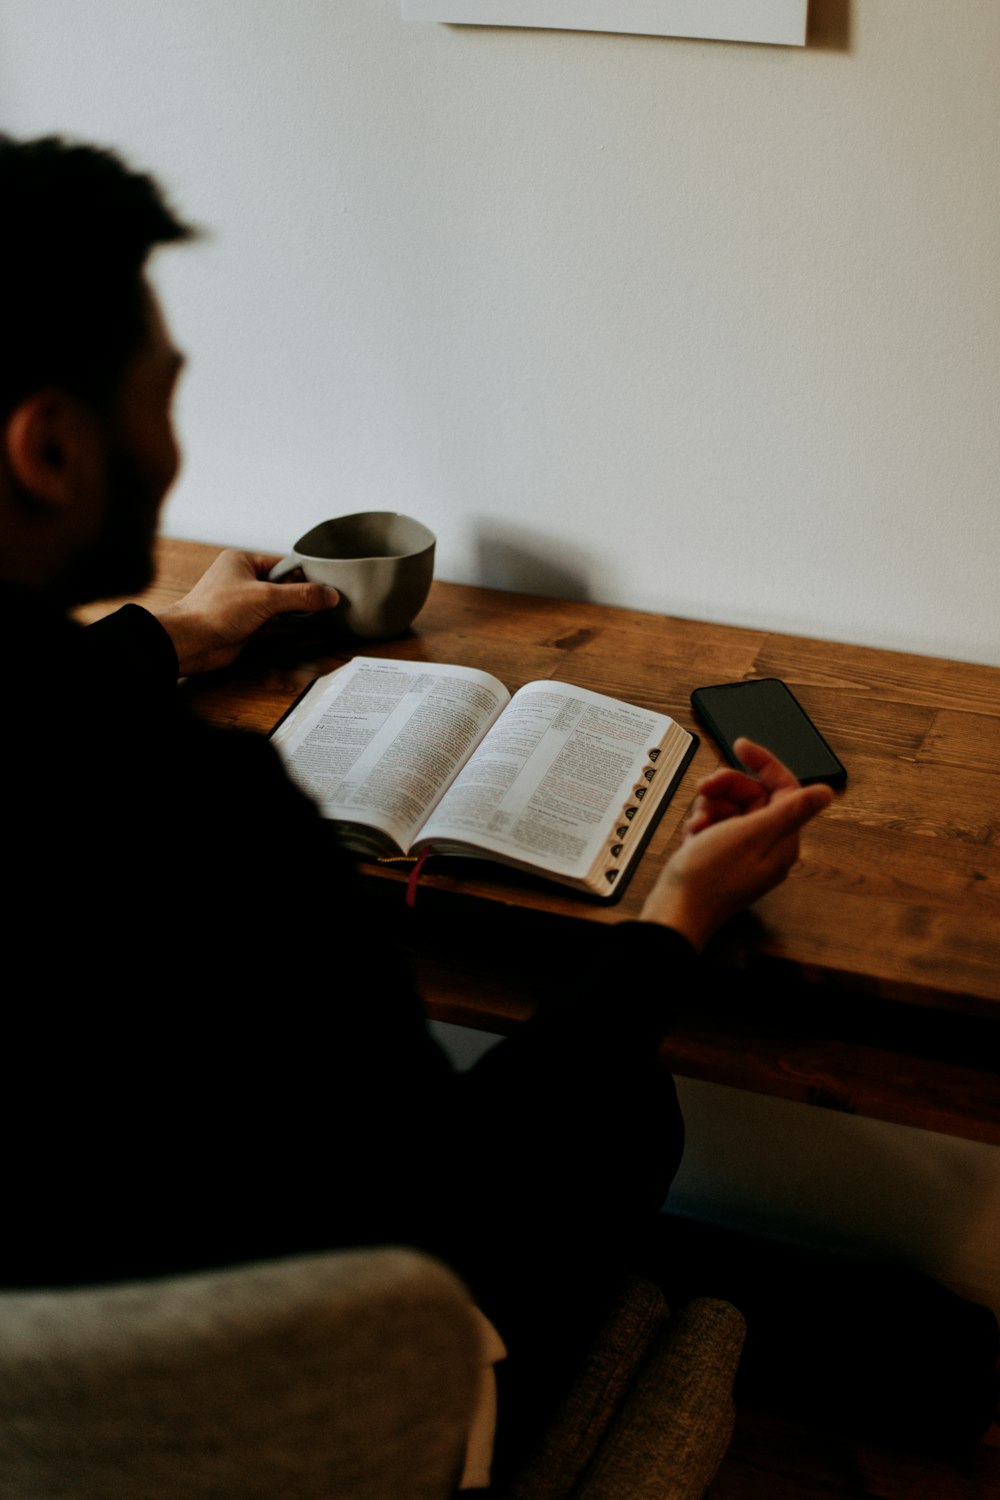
(781, 22)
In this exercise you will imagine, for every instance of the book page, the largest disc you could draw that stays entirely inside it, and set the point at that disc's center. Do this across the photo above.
(550, 778)
(377, 741)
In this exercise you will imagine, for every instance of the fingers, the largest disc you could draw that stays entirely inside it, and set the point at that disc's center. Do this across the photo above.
(712, 809)
(285, 598)
(767, 768)
(291, 596)
(729, 785)
(730, 790)
(727, 793)
(778, 828)
(263, 562)
(765, 823)
(786, 815)
(730, 778)
(237, 564)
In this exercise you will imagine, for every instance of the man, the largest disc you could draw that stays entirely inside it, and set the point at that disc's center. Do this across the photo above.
(213, 1056)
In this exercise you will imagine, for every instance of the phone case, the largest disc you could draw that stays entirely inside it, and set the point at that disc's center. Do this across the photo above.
(766, 710)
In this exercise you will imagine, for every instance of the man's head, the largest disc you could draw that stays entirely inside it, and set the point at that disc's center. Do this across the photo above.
(86, 368)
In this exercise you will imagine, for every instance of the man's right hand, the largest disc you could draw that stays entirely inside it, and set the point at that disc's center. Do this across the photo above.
(229, 604)
(741, 840)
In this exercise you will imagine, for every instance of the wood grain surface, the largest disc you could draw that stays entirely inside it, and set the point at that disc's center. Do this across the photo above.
(869, 981)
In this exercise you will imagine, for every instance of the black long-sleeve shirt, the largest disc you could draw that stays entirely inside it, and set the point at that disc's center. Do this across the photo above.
(211, 1053)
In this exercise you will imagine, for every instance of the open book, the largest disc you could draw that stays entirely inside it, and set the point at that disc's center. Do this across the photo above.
(557, 780)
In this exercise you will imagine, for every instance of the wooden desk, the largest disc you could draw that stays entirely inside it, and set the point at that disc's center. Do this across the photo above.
(869, 982)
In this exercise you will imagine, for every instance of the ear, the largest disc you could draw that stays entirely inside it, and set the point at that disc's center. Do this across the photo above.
(54, 448)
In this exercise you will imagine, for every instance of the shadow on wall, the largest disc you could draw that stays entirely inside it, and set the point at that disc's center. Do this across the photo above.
(824, 1179)
(829, 25)
(529, 563)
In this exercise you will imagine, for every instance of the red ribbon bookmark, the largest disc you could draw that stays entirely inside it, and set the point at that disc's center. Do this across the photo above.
(414, 876)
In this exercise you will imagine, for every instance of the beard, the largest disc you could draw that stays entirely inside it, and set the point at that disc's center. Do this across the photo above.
(120, 560)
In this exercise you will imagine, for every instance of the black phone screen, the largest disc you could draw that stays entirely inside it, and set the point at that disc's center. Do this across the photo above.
(767, 711)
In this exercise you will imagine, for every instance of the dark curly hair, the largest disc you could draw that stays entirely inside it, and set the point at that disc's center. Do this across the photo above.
(78, 227)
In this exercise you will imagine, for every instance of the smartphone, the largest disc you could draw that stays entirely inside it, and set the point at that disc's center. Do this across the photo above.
(766, 710)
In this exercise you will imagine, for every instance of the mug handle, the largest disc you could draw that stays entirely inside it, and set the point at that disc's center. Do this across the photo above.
(286, 565)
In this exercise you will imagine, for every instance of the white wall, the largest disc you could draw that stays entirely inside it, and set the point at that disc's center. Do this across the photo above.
(697, 327)
(701, 327)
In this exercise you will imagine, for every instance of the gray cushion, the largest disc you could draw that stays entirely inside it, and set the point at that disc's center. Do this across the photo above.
(349, 1375)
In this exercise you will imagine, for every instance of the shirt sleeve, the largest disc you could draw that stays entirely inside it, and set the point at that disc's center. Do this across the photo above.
(613, 1010)
(131, 645)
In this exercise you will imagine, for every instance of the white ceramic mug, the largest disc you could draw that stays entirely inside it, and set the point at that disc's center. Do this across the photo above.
(380, 562)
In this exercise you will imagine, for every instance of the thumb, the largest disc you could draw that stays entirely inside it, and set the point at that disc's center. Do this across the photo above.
(302, 597)
(790, 811)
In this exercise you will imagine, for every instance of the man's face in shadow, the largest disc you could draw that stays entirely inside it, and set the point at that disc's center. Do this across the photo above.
(142, 461)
